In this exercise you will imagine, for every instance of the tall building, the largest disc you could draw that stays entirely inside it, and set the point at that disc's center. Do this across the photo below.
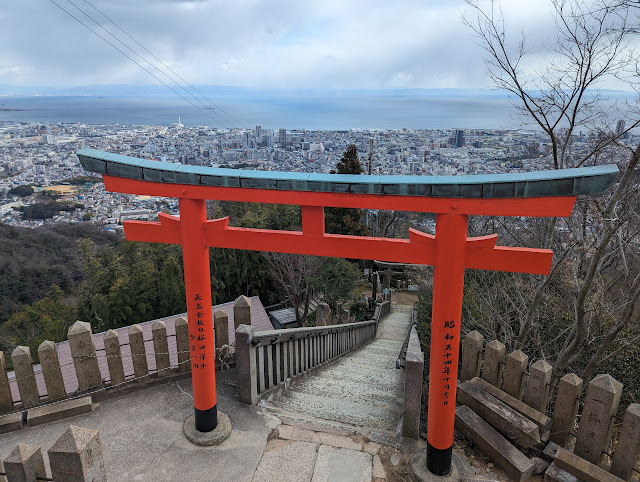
(459, 138)
(258, 131)
(282, 136)
(620, 129)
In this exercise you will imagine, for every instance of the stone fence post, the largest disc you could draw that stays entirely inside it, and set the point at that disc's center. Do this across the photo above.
(471, 356)
(51, 370)
(566, 408)
(627, 450)
(83, 352)
(516, 367)
(27, 386)
(114, 357)
(246, 366)
(537, 394)
(138, 352)
(24, 464)
(413, 376)
(221, 328)
(182, 344)
(77, 456)
(6, 400)
(601, 403)
(242, 312)
(493, 365)
(161, 348)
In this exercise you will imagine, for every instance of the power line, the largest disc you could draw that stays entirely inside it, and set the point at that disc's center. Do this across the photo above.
(145, 60)
(165, 65)
(132, 60)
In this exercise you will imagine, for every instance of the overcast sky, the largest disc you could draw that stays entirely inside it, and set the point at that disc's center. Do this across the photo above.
(345, 44)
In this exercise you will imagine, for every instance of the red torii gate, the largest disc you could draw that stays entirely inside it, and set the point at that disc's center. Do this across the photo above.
(450, 251)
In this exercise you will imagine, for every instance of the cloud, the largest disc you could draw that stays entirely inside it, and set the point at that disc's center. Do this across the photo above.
(279, 43)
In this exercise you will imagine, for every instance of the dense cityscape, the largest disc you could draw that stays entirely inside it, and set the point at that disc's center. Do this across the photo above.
(43, 156)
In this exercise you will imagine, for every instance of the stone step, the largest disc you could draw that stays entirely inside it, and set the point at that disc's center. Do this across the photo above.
(381, 379)
(338, 389)
(310, 422)
(345, 411)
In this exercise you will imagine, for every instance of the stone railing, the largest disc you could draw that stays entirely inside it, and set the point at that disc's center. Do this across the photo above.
(532, 385)
(413, 364)
(104, 364)
(76, 455)
(266, 359)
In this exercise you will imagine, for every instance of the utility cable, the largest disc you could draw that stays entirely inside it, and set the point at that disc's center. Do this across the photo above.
(165, 65)
(132, 60)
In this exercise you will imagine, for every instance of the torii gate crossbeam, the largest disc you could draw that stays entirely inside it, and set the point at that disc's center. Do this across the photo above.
(450, 251)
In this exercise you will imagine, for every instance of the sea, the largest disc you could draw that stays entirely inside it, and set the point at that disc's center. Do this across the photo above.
(296, 112)
(313, 112)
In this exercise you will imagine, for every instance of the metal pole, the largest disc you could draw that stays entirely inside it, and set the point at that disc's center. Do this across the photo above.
(197, 282)
(448, 281)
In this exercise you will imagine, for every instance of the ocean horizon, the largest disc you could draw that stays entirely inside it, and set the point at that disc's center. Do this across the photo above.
(325, 111)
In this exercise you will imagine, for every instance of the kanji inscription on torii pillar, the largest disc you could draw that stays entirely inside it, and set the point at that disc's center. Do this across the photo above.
(450, 251)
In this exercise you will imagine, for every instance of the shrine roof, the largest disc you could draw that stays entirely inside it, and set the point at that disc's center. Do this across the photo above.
(561, 182)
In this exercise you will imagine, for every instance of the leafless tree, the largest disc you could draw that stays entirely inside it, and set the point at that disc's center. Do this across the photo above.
(596, 266)
(293, 273)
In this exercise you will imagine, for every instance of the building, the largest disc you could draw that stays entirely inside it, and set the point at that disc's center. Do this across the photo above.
(282, 136)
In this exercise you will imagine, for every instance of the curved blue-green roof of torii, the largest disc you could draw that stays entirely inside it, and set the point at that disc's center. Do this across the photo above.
(561, 182)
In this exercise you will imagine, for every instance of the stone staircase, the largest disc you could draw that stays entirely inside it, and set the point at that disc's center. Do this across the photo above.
(360, 392)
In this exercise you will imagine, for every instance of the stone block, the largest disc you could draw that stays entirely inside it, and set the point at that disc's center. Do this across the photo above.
(338, 441)
(601, 403)
(51, 370)
(582, 469)
(83, 352)
(472, 345)
(25, 377)
(246, 366)
(556, 474)
(161, 348)
(517, 465)
(221, 328)
(24, 464)
(286, 461)
(242, 312)
(6, 400)
(627, 449)
(566, 408)
(493, 364)
(182, 344)
(537, 394)
(77, 456)
(11, 422)
(114, 357)
(413, 376)
(59, 411)
(335, 464)
(515, 368)
(510, 423)
(138, 351)
(540, 419)
(323, 315)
